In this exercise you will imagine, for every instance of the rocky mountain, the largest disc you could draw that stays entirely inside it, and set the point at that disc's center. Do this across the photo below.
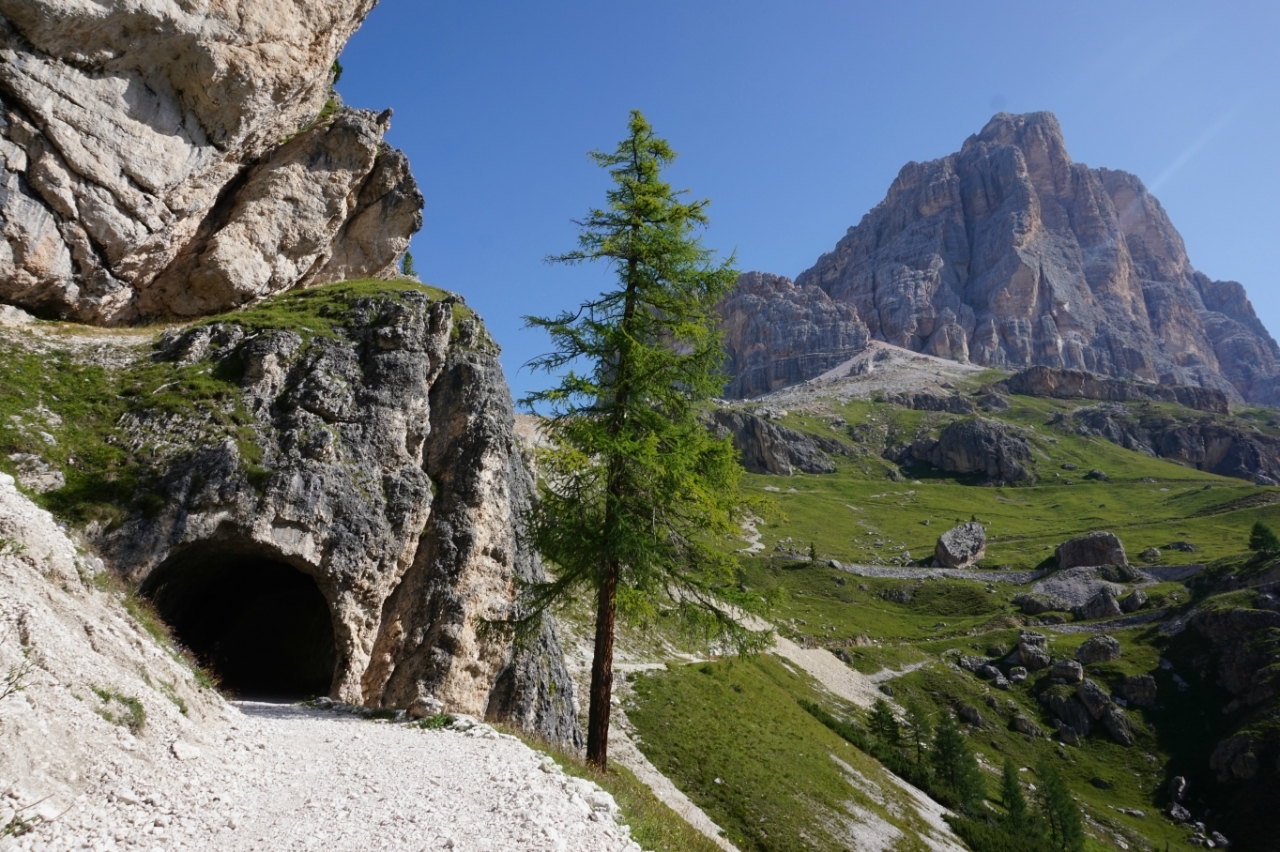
(162, 161)
(1008, 254)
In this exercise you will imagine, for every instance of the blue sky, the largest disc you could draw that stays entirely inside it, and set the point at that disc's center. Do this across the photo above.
(793, 118)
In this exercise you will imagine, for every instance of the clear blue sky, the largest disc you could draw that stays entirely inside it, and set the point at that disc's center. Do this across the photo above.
(793, 118)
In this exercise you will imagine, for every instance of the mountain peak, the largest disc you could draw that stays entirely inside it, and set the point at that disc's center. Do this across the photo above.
(1007, 254)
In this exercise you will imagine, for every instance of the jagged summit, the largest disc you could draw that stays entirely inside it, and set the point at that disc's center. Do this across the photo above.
(1007, 254)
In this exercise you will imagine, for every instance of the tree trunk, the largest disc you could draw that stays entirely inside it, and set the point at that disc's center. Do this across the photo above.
(602, 674)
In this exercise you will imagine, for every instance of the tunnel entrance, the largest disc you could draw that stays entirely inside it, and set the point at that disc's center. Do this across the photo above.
(261, 625)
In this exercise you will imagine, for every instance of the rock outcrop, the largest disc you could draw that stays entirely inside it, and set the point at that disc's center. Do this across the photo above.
(777, 334)
(144, 177)
(376, 458)
(984, 447)
(1008, 254)
(1077, 384)
(1204, 444)
(775, 449)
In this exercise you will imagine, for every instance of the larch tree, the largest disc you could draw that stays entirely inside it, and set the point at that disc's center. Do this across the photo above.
(634, 489)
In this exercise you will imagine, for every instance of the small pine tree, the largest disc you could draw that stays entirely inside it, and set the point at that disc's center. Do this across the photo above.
(919, 728)
(884, 724)
(336, 71)
(813, 552)
(1263, 541)
(1060, 812)
(407, 267)
(1018, 819)
(956, 767)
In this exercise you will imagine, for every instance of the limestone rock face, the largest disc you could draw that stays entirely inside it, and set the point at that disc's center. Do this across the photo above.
(388, 473)
(1007, 254)
(140, 148)
(961, 546)
(778, 334)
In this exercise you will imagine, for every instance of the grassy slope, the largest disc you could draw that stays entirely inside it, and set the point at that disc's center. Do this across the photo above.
(54, 405)
(696, 726)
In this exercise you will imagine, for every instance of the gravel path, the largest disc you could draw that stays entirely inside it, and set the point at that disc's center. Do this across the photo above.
(283, 777)
(1113, 624)
(1015, 577)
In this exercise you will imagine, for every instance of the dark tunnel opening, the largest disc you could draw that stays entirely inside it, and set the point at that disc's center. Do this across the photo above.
(260, 625)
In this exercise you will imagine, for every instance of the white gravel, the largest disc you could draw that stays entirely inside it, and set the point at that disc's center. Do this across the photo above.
(285, 777)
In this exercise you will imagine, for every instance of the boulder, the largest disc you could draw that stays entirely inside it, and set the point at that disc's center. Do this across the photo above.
(983, 447)
(1151, 554)
(1235, 759)
(961, 547)
(1139, 690)
(972, 715)
(1068, 734)
(1017, 674)
(1033, 650)
(1177, 788)
(1098, 649)
(1096, 548)
(1024, 725)
(1134, 601)
(1094, 698)
(1101, 605)
(1117, 725)
(987, 672)
(1178, 813)
(1068, 709)
(1034, 603)
(1066, 671)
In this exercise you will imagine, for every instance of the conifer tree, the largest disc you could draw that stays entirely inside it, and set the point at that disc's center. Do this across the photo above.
(634, 488)
(918, 728)
(1262, 540)
(1017, 819)
(1060, 812)
(407, 267)
(884, 724)
(955, 766)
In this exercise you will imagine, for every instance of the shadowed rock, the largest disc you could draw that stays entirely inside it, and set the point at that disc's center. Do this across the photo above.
(1094, 549)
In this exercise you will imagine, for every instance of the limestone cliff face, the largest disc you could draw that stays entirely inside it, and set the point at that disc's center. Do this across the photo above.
(141, 170)
(379, 460)
(1008, 254)
(777, 333)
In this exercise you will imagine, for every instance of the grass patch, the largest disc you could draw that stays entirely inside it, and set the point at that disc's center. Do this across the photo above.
(123, 710)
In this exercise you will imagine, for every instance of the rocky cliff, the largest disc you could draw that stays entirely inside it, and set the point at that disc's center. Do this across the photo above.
(1007, 254)
(142, 170)
(367, 446)
(778, 334)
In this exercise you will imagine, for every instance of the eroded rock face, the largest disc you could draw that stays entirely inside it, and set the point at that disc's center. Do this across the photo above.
(388, 474)
(1008, 254)
(130, 163)
(777, 334)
